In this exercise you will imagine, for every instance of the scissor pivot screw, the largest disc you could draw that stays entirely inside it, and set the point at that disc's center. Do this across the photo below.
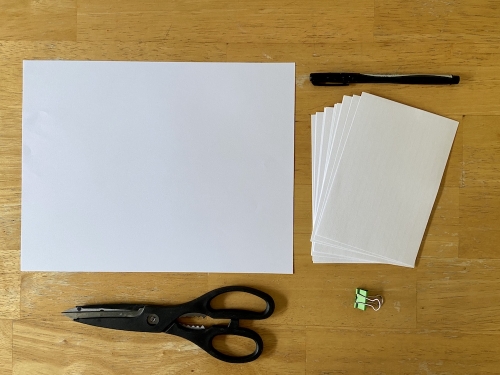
(153, 319)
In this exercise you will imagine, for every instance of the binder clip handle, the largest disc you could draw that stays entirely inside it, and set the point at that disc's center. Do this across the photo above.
(363, 299)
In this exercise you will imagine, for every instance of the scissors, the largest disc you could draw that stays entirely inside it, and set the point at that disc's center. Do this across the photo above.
(155, 318)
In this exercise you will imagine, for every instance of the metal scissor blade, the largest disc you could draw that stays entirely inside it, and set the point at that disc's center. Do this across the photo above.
(82, 312)
(139, 318)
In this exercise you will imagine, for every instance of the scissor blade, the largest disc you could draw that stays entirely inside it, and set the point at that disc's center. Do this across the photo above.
(81, 312)
(141, 318)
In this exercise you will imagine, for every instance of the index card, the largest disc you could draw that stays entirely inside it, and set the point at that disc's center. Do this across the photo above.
(142, 166)
(386, 180)
(343, 125)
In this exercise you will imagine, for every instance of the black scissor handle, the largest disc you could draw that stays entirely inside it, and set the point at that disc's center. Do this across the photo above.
(204, 339)
(203, 304)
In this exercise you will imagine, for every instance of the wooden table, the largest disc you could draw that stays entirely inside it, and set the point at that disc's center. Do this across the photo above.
(443, 317)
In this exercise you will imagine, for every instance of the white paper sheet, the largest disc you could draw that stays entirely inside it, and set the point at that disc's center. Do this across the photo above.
(131, 166)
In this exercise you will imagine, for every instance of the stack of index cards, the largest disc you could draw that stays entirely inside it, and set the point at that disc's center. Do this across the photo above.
(377, 167)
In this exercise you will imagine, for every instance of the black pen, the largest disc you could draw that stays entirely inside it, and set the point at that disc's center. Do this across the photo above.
(344, 79)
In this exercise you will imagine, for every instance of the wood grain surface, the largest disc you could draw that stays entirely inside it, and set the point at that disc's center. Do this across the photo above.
(443, 317)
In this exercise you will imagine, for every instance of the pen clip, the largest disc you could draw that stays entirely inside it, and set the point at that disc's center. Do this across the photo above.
(327, 79)
(321, 83)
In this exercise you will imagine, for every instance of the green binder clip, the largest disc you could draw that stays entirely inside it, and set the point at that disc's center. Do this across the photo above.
(363, 299)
